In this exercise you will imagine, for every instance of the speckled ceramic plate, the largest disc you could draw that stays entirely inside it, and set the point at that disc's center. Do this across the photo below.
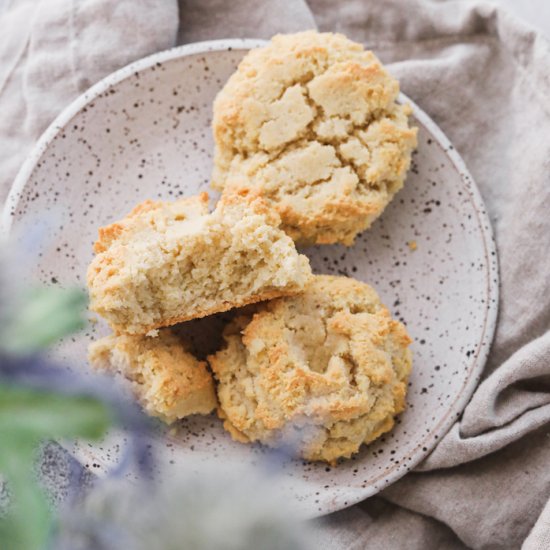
(145, 132)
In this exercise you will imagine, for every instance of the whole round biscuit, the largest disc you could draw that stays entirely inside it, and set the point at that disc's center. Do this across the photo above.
(319, 373)
(311, 122)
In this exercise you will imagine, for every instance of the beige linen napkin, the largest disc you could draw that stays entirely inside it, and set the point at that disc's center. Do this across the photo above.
(485, 79)
(53, 50)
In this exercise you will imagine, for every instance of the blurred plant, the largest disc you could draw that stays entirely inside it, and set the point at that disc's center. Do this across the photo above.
(30, 409)
(42, 316)
(218, 510)
(28, 417)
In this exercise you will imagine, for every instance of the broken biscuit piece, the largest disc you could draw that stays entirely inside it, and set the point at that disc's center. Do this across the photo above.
(169, 262)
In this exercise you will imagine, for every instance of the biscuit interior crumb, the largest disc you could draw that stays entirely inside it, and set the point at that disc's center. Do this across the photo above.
(167, 379)
(170, 262)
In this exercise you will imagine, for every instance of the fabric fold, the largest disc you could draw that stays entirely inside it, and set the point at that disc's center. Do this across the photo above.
(507, 405)
(53, 50)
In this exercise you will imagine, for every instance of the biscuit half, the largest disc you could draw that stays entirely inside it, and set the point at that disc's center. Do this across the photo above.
(168, 262)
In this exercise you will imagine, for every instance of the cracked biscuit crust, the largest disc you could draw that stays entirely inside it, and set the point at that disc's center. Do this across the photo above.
(169, 262)
(165, 376)
(311, 121)
(320, 373)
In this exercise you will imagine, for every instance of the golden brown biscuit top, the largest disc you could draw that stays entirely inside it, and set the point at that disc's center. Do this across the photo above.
(331, 358)
(311, 122)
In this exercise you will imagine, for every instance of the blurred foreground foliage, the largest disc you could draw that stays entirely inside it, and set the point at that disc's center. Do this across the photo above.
(28, 416)
(39, 317)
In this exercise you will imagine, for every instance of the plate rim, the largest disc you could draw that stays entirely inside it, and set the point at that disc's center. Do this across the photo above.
(76, 105)
(479, 357)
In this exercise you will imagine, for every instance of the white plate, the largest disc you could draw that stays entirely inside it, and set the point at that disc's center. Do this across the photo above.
(144, 132)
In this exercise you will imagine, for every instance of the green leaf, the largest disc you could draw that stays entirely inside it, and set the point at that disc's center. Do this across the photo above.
(28, 522)
(43, 316)
(48, 415)
(26, 418)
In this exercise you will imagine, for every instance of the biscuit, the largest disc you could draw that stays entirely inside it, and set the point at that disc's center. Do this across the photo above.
(168, 262)
(165, 376)
(311, 122)
(319, 373)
